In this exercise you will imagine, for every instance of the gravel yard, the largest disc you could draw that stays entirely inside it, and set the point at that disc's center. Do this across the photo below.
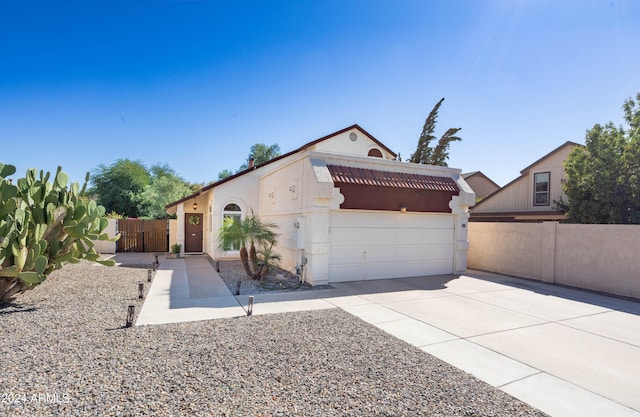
(65, 351)
(232, 271)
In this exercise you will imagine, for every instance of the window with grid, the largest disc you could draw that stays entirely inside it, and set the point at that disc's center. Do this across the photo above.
(541, 189)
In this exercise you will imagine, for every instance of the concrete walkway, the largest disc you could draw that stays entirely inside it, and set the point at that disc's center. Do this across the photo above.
(187, 289)
(564, 351)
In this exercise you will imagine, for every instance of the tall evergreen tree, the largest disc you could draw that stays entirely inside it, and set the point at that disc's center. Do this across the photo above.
(438, 155)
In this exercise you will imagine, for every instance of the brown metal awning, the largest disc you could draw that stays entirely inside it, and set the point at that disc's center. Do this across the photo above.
(363, 176)
(371, 189)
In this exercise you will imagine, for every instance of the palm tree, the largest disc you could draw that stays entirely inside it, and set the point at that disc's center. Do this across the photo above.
(251, 232)
(268, 261)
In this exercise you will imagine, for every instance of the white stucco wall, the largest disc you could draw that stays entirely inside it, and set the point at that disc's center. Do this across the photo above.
(297, 200)
(343, 144)
(243, 191)
(173, 232)
(102, 246)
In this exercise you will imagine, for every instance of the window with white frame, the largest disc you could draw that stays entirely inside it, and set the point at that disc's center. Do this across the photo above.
(541, 189)
(232, 212)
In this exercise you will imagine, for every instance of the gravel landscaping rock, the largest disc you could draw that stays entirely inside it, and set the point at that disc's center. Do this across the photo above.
(65, 351)
(232, 271)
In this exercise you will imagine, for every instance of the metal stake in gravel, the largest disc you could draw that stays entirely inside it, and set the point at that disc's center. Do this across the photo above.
(148, 275)
(140, 291)
(157, 262)
(238, 285)
(130, 314)
(217, 266)
(250, 306)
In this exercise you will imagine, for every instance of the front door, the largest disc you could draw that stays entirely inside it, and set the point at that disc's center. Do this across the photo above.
(193, 232)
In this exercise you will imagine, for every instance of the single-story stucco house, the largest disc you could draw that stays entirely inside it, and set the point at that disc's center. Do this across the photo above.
(346, 209)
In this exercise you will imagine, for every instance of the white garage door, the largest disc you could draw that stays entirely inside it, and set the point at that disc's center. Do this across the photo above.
(366, 245)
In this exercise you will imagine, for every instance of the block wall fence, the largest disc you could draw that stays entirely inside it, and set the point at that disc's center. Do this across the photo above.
(596, 257)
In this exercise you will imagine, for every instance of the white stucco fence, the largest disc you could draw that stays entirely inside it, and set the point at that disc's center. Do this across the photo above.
(102, 246)
(596, 257)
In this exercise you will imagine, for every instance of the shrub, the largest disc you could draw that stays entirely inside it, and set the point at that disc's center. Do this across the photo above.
(43, 226)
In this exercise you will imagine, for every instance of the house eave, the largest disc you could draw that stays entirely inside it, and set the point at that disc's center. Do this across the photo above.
(278, 158)
(556, 150)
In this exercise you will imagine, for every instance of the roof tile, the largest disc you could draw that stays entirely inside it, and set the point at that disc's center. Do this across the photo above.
(364, 176)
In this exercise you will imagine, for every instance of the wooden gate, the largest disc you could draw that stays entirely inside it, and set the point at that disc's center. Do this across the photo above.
(143, 235)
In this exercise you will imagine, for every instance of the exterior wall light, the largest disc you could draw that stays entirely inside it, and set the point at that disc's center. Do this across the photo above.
(195, 205)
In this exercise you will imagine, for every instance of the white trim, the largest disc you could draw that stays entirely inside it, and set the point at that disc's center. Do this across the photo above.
(242, 215)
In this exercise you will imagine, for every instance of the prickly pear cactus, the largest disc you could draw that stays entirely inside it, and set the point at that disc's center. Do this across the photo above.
(44, 225)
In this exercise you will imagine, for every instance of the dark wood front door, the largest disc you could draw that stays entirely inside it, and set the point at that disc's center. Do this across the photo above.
(193, 232)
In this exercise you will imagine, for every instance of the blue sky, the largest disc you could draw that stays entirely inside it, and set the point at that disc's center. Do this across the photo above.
(195, 83)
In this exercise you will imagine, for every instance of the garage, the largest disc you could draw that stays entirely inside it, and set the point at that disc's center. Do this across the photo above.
(390, 225)
(374, 245)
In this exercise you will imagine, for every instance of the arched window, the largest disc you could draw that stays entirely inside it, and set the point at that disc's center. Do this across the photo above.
(232, 207)
(375, 153)
(233, 212)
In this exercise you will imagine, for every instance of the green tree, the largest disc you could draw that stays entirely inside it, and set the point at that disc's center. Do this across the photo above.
(43, 226)
(224, 174)
(438, 155)
(165, 186)
(195, 186)
(261, 153)
(131, 189)
(603, 176)
(119, 186)
(251, 231)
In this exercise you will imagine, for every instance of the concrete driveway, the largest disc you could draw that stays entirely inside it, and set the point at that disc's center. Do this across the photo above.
(564, 351)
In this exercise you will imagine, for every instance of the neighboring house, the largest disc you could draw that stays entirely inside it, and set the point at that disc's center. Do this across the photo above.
(481, 185)
(346, 210)
(531, 196)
